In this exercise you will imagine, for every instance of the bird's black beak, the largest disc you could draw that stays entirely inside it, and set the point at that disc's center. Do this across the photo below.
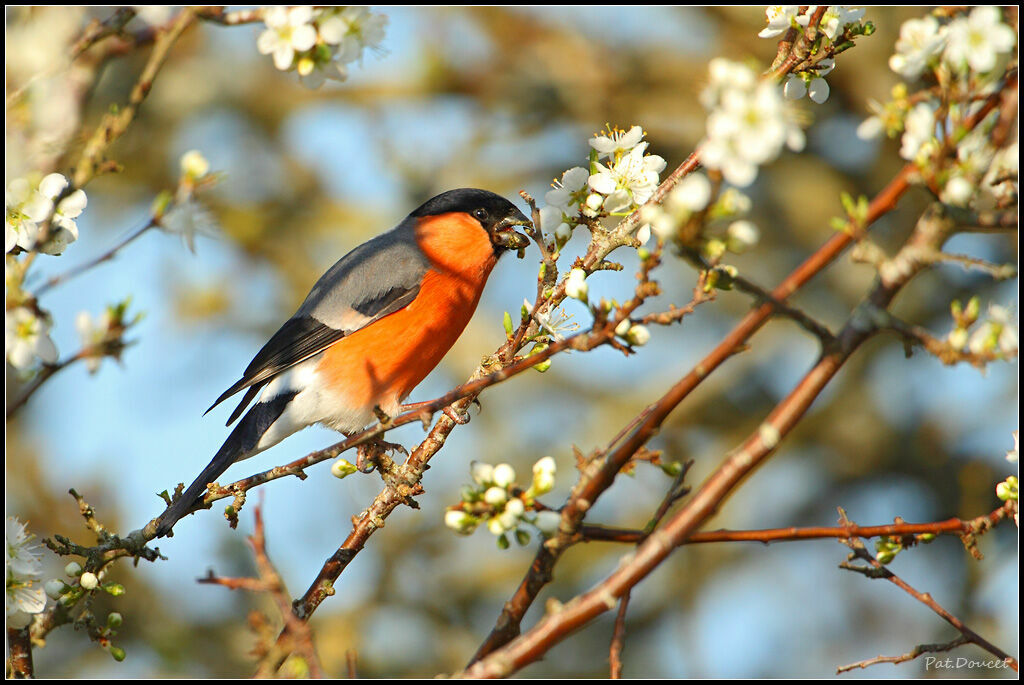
(503, 235)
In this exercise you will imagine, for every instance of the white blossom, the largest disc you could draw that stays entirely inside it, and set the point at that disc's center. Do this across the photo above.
(93, 334)
(288, 31)
(781, 18)
(25, 596)
(495, 495)
(1011, 455)
(555, 322)
(188, 218)
(617, 142)
(638, 335)
(643, 234)
(194, 165)
(958, 191)
(870, 128)
(629, 181)
(63, 229)
(353, 29)
(920, 42)
(25, 207)
(977, 40)
(543, 476)
(837, 18)
(54, 588)
(89, 581)
(742, 235)
(27, 337)
(997, 334)
(504, 475)
(459, 521)
(566, 194)
(818, 90)
(794, 88)
(919, 130)
(748, 125)
(576, 285)
(690, 195)
(481, 473)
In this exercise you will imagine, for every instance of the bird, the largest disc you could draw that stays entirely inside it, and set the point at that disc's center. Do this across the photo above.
(372, 327)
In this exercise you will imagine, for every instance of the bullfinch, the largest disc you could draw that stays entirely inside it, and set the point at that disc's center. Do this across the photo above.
(369, 331)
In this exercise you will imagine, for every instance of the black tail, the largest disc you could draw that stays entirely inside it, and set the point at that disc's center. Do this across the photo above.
(240, 444)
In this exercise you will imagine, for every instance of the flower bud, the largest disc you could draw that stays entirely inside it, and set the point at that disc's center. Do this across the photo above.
(481, 473)
(576, 285)
(547, 522)
(638, 335)
(459, 521)
(342, 468)
(193, 165)
(515, 507)
(55, 588)
(73, 570)
(495, 496)
(89, 581)
(742, 235)
(504, 475)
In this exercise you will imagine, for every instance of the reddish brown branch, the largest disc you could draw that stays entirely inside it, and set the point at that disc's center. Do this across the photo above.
(932, 231)
(271, 583)
(952, 526)
(881, 571)
(592, 485)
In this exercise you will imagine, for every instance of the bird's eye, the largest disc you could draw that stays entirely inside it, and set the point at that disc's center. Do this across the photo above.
(480, 214)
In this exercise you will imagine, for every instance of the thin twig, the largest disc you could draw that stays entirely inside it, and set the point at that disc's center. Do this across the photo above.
(909, 656)
(44, 374)
(106, 256)
(881, 571)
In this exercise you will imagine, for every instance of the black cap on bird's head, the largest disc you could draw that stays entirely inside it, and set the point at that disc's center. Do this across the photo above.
(496, 215)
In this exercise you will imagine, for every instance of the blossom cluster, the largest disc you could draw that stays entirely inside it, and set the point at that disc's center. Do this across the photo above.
(621, 178)
(748, 123)
(973, 43)
(104, 336)
(834, 24)
(27, 337)
(996, 336)
(965, 55)
(495, 500)
(319, 43)
(25, 595)
(28, 207)
(724, 229)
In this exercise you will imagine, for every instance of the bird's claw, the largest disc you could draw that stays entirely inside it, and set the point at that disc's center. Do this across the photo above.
(368, 455)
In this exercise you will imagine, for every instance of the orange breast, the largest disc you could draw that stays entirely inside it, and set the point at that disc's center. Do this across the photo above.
(381, 363)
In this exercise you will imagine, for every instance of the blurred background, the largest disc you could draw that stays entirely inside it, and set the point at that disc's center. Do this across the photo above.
(504, 99)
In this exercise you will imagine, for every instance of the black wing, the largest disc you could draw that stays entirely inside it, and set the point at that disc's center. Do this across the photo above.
(302, 337)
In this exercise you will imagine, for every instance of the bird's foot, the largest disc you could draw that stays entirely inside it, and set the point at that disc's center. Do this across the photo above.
(374, 454)
(459, 416)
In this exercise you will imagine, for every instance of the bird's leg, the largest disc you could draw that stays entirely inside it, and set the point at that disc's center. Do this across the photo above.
(373, 454)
